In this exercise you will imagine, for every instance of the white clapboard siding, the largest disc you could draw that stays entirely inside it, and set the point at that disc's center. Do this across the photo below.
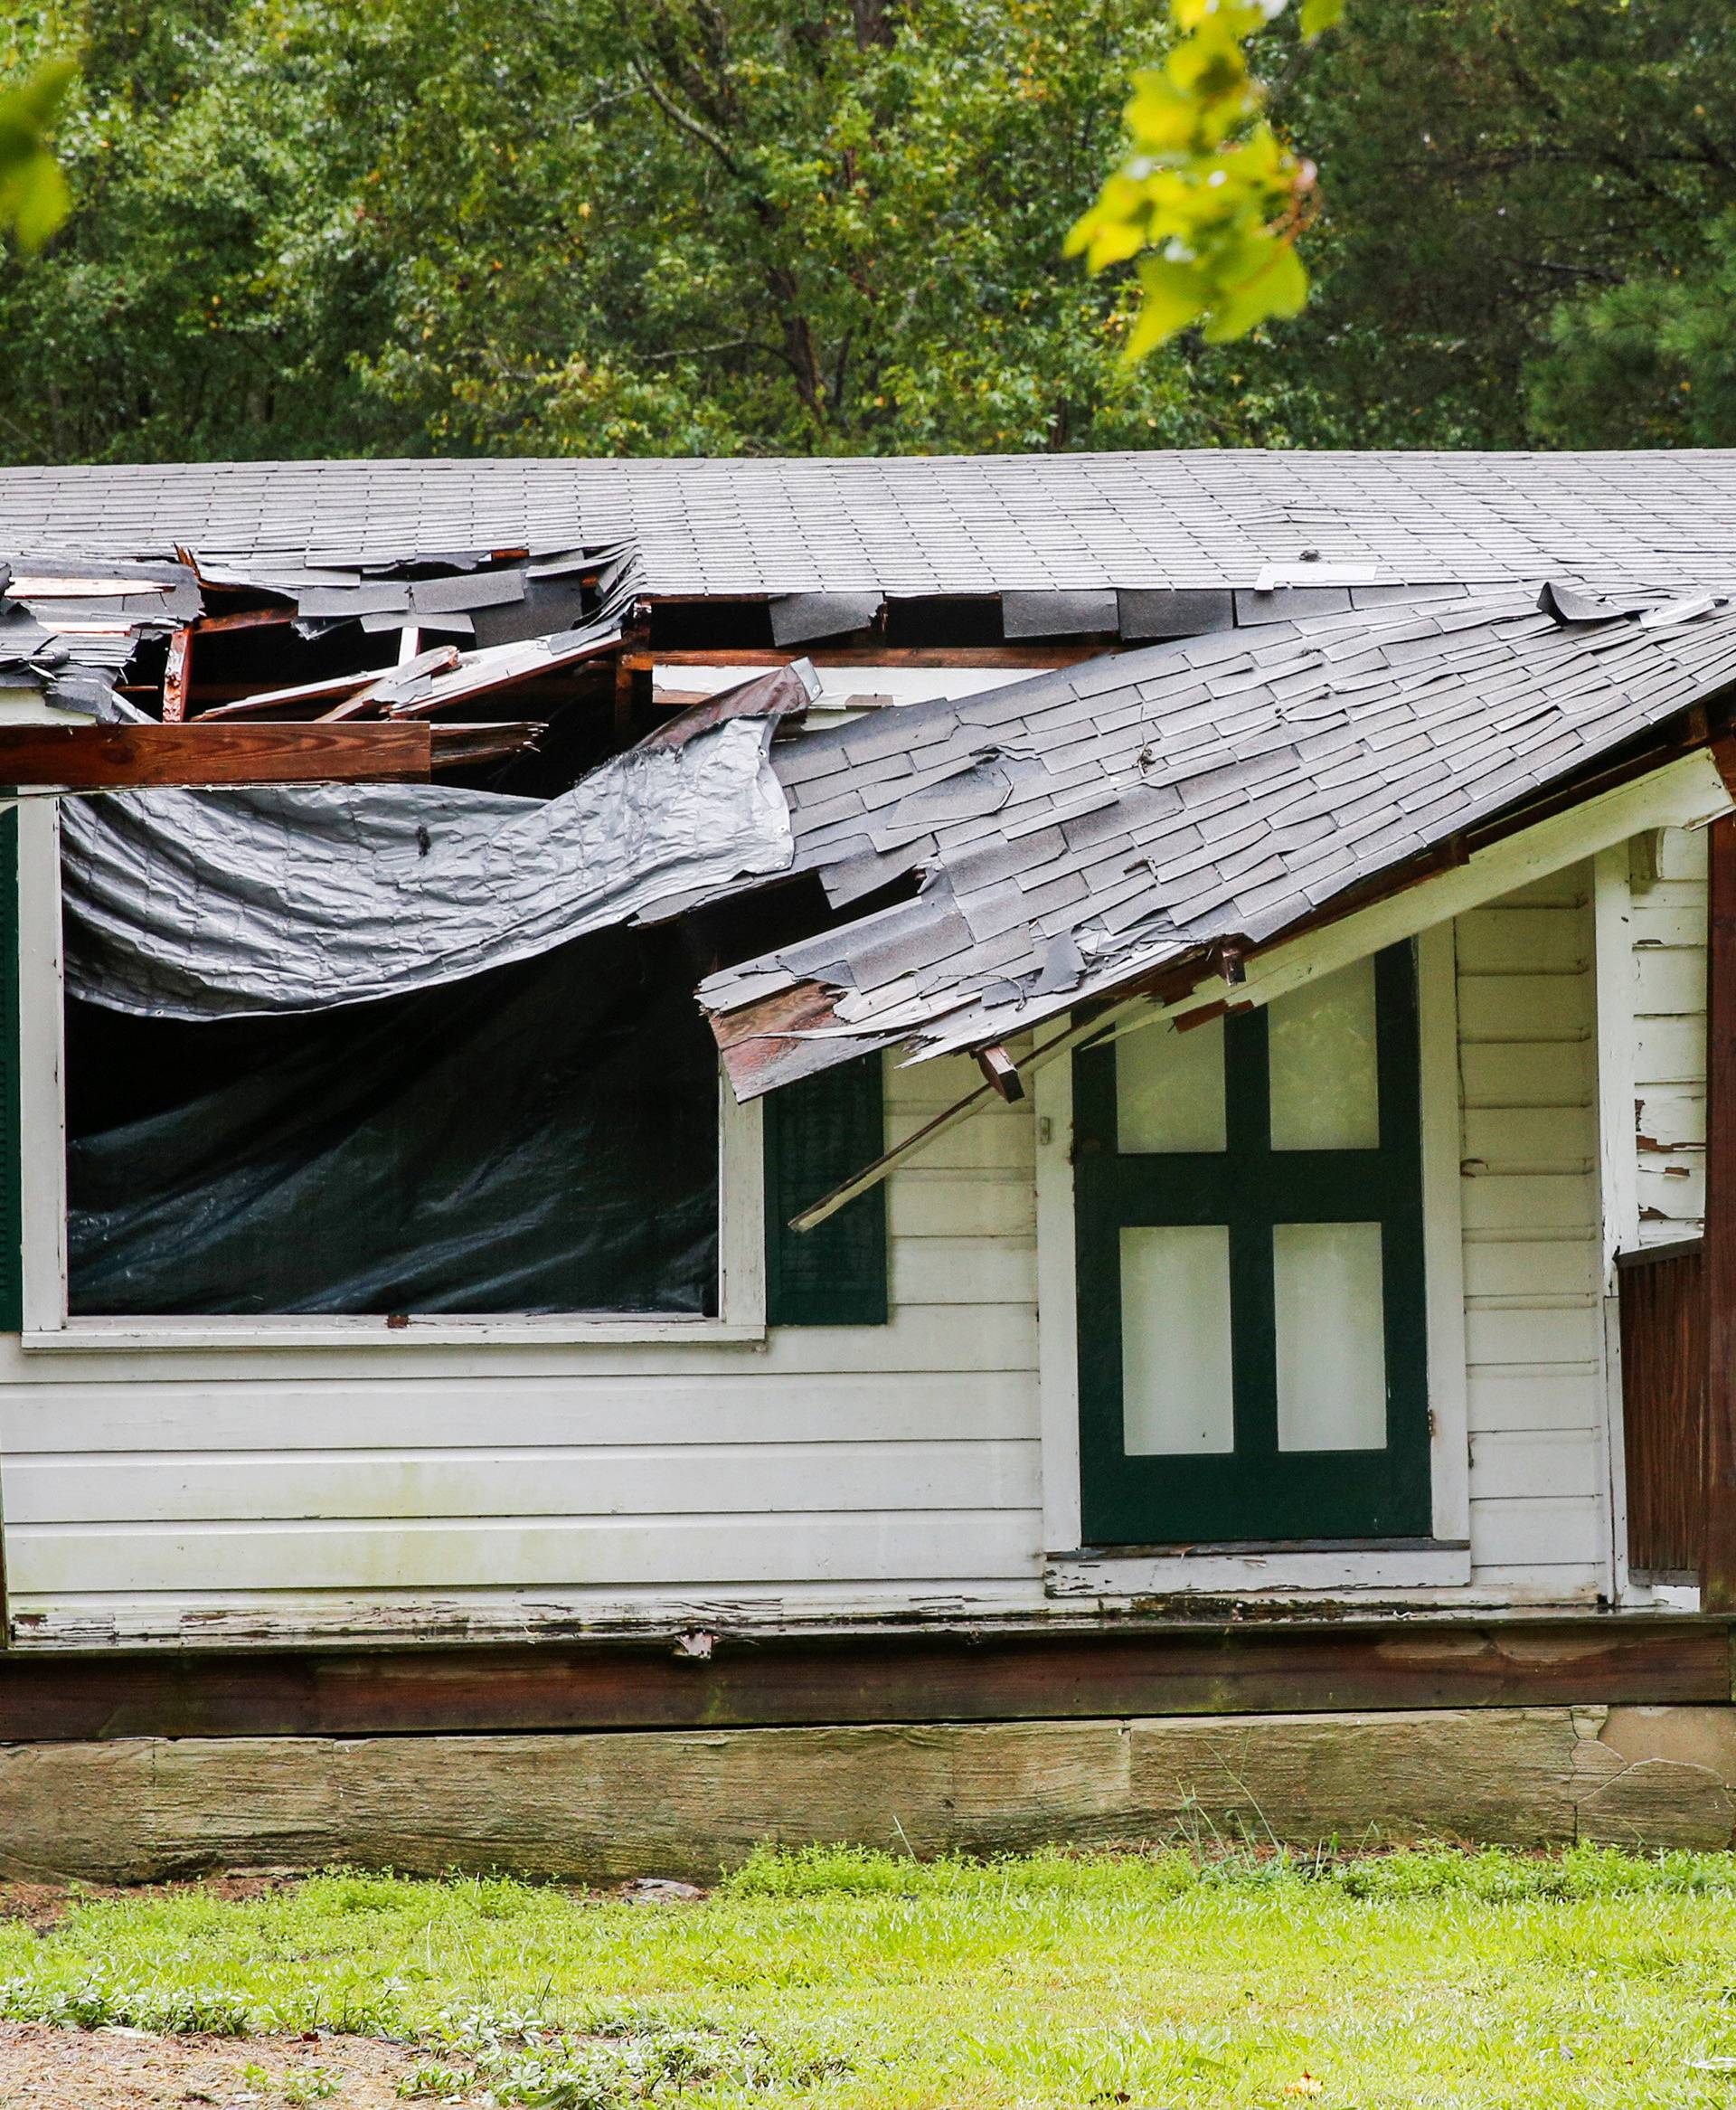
(1531, 1211)
(309, 1485)
(436, 1553)
(409, 1489)
(1667, 926)
(269, 1492)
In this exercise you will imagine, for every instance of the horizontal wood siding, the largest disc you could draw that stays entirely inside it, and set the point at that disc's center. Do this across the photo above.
(1528, 1073)
(270, 1493)
(409, 1490)
(1667, 918)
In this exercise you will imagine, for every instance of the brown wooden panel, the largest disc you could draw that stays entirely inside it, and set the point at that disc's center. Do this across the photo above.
(109, 757)
(1663, 1305)
(1143, 1669)
(1718, 1556)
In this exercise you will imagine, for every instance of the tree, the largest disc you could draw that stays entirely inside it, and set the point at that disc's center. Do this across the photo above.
(1648, 364)
(307, 227)
(703, 225)
(1487, 164)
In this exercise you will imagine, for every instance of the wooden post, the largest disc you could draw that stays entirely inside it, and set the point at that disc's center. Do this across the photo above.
(177, 676)
(1718, 1549)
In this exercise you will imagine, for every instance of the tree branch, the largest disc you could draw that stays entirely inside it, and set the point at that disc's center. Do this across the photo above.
(687, 123)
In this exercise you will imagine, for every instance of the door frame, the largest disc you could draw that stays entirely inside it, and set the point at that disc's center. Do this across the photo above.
(1073, 1570)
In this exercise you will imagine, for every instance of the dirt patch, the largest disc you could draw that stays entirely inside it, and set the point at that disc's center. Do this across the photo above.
(43, 2068)
(44, 1906)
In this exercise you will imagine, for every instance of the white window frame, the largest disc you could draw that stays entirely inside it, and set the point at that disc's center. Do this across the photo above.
(48, 1326)
(1070, 1572)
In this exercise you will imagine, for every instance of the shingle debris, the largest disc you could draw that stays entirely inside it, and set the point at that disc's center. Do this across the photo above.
(69, 624)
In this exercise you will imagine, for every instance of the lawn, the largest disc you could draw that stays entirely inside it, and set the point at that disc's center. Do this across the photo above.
(844, 1979)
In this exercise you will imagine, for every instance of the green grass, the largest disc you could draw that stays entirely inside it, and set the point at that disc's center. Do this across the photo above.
(848, 1979)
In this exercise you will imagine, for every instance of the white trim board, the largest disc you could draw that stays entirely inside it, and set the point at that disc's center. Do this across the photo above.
(1229, 1575)
(1686, 793)
(1613, 955)
(1443, 1240)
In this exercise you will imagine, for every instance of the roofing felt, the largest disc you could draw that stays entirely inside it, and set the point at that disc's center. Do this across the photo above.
(919, 525)
(1080, 830)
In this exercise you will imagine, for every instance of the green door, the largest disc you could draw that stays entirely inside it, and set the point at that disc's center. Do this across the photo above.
(1251, 1355)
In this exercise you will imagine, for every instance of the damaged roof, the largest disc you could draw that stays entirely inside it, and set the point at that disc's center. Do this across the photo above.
(1079, 831)
(1209, 520)
(70, 624)
(67, 629)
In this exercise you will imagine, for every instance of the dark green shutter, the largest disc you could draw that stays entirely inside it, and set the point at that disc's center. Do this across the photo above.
(11, 1234)
(820, 1131)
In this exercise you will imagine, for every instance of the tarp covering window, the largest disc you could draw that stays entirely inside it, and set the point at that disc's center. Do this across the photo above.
(537, 1138)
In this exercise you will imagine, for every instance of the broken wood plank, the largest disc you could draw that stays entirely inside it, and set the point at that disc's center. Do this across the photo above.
(1001, 1071)
(262, 701)
(501, 667)
(108, 758)
(82, 586)
(245, 619)
(383, 689)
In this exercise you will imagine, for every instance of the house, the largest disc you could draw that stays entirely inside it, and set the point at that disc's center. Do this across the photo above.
(1012, 1149)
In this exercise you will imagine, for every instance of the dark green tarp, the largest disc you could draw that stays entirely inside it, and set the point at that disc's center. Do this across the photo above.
(537, 1138)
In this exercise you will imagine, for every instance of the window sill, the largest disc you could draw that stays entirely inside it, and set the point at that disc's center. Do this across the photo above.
(99, 1336)
(1445, 1564)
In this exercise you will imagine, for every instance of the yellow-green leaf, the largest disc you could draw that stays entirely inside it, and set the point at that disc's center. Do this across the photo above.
(34, 196)
(1320, 15)
(1176, 295)
(1279, 286)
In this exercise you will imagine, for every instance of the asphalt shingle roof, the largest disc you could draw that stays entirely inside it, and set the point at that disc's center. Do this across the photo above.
(1083, 829)
(918, 526)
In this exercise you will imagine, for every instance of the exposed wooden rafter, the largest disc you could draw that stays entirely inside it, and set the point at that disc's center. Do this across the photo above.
(136, 757)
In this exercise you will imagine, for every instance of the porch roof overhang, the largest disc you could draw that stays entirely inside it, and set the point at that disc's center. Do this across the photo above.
(1150, 826)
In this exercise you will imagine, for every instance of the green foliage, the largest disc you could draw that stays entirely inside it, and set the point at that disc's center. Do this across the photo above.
(1208, 197)
(34, 196)
(1648, 364)
(1483, 164)
(307, 227)
(444, 225)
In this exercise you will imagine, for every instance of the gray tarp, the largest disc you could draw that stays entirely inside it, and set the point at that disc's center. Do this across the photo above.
(198, 905)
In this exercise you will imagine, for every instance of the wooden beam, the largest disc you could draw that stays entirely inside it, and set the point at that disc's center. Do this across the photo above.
(1718, 1551)
(248, 703)
(1017, 659)
(1137, 1666)
(1001, 1071)
(113, 758)
(177, 676)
